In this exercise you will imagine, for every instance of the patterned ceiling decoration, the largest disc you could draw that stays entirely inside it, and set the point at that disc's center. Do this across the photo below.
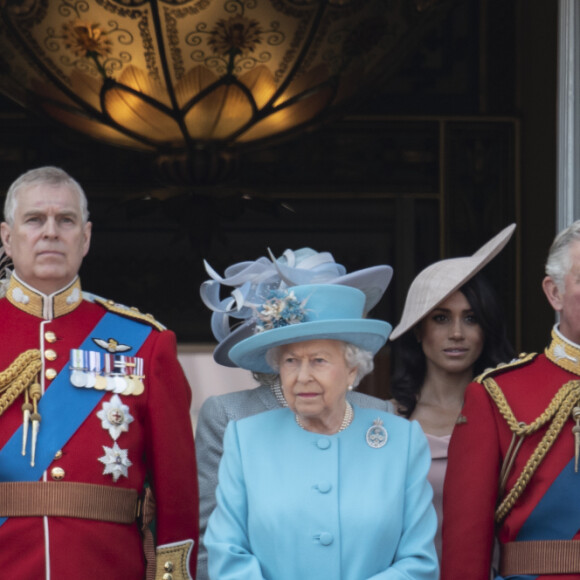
(197, 79)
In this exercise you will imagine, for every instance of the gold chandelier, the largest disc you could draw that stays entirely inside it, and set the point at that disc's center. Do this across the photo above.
(196, 79)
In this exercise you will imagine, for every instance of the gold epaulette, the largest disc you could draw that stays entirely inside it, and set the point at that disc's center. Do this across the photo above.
(522, 359)
(130, 312)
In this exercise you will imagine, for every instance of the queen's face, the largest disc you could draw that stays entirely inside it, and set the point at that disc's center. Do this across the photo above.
(315, 378)
(451, 337)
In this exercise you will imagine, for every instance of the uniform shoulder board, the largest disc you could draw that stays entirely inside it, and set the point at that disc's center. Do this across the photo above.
(521, 360)
(128, 311)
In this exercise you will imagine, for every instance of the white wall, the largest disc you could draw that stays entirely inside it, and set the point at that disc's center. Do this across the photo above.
(206, 377)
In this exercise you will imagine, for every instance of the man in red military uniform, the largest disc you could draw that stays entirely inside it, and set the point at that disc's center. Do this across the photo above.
(514, 461)
(93, 404)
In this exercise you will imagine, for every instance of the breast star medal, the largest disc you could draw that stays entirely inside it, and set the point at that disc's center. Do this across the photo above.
(376, 435)
(115, 417)
(116, 461)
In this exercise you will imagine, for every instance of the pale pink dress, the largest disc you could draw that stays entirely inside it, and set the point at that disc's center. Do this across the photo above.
(436, 476)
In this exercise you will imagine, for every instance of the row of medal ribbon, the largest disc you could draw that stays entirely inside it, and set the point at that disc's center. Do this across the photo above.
(106, 372)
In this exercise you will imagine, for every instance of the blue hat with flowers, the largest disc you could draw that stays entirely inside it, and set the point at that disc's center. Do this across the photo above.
(252, 282)
(309, 312)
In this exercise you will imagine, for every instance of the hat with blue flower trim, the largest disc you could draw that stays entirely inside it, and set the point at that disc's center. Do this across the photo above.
(252, 282)
(309, 312)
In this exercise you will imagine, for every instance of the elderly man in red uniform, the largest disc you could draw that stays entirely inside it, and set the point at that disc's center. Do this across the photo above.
(94, 409)
(514, 461)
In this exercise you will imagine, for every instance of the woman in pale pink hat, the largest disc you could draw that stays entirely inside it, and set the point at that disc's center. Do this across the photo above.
(451, 329)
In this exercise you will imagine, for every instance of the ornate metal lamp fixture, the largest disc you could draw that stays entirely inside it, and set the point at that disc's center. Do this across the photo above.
(193, 81)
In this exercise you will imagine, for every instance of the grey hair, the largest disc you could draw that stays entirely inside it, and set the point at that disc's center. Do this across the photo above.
(268, 379)
(559, 261)
(354, 356)
(360, 358)
(51, 176)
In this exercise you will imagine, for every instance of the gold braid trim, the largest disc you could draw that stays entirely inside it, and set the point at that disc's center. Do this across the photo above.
(18, 377)
(558, 411)
(522, 359)
(130, 312)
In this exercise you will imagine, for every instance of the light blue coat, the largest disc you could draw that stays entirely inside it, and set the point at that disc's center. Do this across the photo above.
(296, 505)
(214, 416)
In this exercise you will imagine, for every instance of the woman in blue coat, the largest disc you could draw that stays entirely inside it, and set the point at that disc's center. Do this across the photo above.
(321, 489)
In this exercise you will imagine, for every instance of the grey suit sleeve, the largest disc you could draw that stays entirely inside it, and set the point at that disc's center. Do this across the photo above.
(211, 425)
(369, 402)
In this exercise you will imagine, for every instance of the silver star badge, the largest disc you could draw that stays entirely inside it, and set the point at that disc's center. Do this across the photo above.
(116, 461)
(115, 417)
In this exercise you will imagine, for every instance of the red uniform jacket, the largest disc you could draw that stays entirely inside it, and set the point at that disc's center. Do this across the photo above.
(158, 442)
(476, 452)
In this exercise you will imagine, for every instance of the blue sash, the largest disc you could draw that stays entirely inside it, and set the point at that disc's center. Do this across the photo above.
(557, 515)
(63, 408)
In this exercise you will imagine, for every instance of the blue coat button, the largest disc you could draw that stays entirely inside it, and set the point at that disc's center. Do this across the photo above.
(326, 538)
(323, 443)
(324, 487)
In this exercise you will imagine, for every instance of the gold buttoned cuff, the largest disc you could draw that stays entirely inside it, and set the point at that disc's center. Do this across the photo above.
(173, 561)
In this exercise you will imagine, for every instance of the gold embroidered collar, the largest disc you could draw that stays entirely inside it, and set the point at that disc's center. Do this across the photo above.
(563, 352)
(33, 302)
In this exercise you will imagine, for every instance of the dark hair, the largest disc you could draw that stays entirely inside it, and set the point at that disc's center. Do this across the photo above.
(410, 364)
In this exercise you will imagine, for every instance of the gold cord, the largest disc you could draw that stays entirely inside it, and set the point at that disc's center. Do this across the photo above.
(558, 411)
(18, 377)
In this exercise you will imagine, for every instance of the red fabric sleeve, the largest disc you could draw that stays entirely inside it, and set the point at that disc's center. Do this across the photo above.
(470, 490)
(170, 447)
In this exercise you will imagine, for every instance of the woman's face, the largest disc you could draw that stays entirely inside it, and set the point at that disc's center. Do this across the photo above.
(451, 337)
(315, 379)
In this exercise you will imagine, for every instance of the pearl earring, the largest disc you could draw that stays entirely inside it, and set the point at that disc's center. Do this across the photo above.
(350, 387)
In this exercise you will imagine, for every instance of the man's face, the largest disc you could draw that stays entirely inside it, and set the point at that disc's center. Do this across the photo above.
(567, 302)
(48, 240)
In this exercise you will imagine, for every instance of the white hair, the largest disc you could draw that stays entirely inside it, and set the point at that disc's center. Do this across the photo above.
(354, 356)
(50, 176)
(559, 261)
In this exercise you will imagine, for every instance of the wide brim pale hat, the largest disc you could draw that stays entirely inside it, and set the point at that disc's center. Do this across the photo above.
(438, 281)
(317, 311)
(293, 268)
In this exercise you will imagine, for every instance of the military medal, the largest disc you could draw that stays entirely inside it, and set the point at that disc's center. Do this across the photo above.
(139, 386)
(77, 375)
(119, 376)
(115, 417)
(108, 373)
(130, 364)
(100, 383)
(129, 390)
(120, 384)
(138, 377)
(94, 369)
(116, 461)
(78, 379)
(91, 380)
(376, 435)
